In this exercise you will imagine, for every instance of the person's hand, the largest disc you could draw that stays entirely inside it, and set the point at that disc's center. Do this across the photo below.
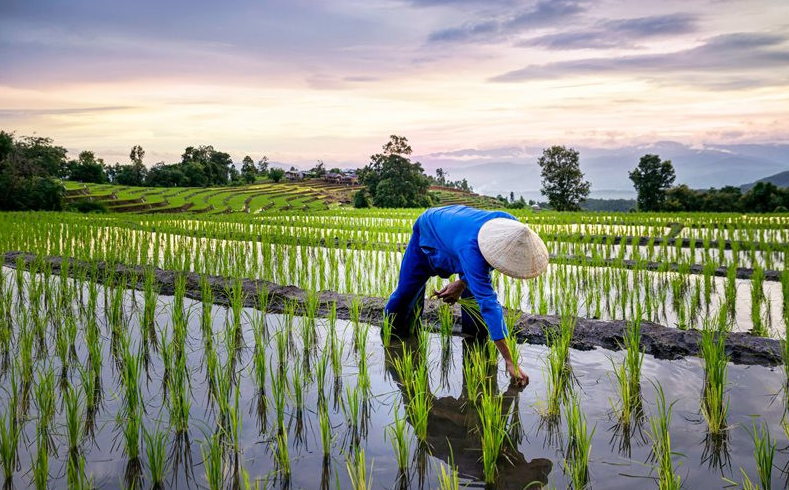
(451, 292)
(518, 375)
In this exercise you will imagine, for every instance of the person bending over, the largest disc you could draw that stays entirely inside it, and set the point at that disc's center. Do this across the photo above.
(471, 243)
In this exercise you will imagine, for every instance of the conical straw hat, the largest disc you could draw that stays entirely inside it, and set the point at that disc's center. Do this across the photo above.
(512, 248)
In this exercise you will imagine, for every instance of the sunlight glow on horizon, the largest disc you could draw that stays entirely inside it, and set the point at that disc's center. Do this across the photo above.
(313, 109)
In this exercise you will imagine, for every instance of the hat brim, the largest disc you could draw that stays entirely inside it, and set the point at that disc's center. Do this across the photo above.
(513, 248)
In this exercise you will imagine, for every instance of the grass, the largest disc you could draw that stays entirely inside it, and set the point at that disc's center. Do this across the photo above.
(399, 437)
(764, 454)
(41, 465)
(579, 445)
(628, 374)
(714, 403)
(9, 440)
(325, 430)
(156, 453)
(282, 455)
(357, 471)
(213, 455)
(493, 431)
(660, 436)
(448, 476)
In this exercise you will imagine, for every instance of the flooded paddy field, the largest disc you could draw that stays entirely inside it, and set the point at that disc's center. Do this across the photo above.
(291, 400)
(108, 382)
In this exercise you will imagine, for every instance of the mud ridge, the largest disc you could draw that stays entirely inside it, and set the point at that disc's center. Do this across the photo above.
(657, 340)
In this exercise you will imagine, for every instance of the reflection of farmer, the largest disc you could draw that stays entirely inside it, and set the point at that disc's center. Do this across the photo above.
(453, 429)
(468, 242)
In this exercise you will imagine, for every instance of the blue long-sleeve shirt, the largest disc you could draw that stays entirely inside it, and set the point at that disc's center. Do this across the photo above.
(448, 237)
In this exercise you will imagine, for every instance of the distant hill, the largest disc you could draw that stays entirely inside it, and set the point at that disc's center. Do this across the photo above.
(781, 179)
(501, 170)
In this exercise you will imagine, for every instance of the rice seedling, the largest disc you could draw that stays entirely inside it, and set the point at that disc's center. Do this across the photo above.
(448, 476)
(297, 386)
(325, 430)
(9, 440)
(75, 473)
(659, 434)
(213, 455)
(156, 453)
(337, 355)
(386, 329)
(400, 439)
(279, 386)
(41, 464)
(74, 425)
(320, 374)
(282, 455)
(579, 444)
(512, 344)
(628, 374)
(351, 408)
(492, 430)
(474, 371)
(764, 454)
(714, 404)
(179, 400)
(446, 320)
(357, 471)
(45, 402)
(355, 311)
(235, 422)
(757, 299)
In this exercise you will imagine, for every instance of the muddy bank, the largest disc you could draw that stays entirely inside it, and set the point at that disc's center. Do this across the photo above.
(658, 340)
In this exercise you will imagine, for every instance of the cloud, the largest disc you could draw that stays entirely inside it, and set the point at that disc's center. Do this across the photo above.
(54, 112)
(541, 14)
(617, 33)
(726, 61)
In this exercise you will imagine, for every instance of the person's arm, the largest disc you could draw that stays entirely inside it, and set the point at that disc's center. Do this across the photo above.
(516, 372)
(477, 277)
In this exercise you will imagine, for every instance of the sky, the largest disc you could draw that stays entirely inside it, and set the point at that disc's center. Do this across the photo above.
(300, 81)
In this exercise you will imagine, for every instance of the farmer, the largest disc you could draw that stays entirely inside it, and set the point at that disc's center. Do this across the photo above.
(468, 242)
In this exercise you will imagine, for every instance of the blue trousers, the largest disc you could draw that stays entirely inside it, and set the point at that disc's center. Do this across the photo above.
(406, 303)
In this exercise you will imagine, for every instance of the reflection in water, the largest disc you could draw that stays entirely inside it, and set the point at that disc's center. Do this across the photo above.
(453, 429)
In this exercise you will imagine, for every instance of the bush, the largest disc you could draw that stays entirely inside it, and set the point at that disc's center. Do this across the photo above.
(87, 206)
(360, 199)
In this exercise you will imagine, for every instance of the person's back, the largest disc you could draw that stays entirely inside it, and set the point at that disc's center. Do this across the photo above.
(470, 243)
(447, 232)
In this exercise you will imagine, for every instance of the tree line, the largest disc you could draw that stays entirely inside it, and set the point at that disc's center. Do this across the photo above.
(31, 168)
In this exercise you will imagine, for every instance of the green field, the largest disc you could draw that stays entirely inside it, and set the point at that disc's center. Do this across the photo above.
(311, 195)
(250, 199)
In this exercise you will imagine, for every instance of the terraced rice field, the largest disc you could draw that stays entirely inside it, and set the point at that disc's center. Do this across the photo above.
(251, 199)
(242, 349)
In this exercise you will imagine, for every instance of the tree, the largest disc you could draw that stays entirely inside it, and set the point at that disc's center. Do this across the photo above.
(681, 198)
(562, 179)
(248, 170)
(393, 180)
(87, 168)
(215, 165)
(319, 170)
(360, 199)
(276, 174)
(235, 175)
(652, 178)
(763, 197)
(28, 170)
(441, 176)
(133, 174)
(263, 165)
